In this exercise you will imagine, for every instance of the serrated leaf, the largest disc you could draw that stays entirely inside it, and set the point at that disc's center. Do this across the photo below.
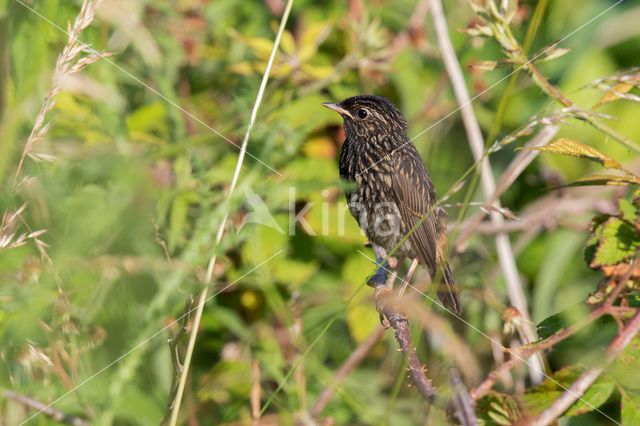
(618, 241)
(628, 211)
(613, 94)
(591, 247)
(566, 146)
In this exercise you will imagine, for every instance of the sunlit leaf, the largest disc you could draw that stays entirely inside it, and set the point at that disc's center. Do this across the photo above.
(566, 146)
(628, 211)
(611, 180)
(287, 44)
(618, 242)
(613, 95)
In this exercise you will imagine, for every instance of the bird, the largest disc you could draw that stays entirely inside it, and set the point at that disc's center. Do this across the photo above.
(391, 191)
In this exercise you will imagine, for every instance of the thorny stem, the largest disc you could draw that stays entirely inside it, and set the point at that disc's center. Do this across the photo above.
(385, 304)
(462, 404)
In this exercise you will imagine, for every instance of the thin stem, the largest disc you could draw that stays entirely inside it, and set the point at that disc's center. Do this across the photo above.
(517, 166)
(523, 352)
(341, 374)
(586, 379)
(243, 149)
(476, 142)
(47, 410)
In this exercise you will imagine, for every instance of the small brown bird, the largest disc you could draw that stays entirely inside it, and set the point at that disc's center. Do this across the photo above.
(393, 191)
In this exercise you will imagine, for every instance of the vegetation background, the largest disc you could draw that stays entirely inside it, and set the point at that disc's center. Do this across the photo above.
(110, 221)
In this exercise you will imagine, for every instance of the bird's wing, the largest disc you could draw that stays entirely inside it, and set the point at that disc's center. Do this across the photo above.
(415, 196)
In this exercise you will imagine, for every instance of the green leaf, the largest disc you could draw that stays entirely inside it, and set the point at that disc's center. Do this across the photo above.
(557, 322)
(591, 247)
(618, 242)
(628, 211)
(566, 146)
(630, 408)
(625, 368)
(497, 408)
(543, 395)
(593, 398)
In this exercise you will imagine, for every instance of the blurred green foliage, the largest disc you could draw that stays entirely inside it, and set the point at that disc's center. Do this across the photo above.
(136, 191)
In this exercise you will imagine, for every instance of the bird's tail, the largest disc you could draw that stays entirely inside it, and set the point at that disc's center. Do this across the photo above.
(448, 292)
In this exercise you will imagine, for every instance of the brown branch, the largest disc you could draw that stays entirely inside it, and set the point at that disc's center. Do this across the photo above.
(47, 410)
(517, 166)
(385, 304)
(622, 283)
(523, 352)
(586, 379)
(350, 363)
(504, 250)
(461, 403)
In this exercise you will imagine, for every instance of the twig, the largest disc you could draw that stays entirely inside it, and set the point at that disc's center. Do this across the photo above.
(254, 397)
(523, 352)
(622, 282)
(461, 402)
(476, 142)
(347, 366)
(386, 306)
(223, 222)
(517, 166)
(51, 412)
(185, 327)
(586, 379)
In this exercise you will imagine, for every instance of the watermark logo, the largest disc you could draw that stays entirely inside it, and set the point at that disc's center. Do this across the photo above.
(382, 219)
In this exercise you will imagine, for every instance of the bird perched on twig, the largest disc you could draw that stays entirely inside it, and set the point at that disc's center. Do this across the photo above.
(393, 192)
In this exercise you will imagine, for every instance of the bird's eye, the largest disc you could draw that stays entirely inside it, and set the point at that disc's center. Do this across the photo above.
(362, 113)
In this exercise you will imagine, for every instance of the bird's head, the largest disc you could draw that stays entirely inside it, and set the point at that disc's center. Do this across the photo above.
(372, 119)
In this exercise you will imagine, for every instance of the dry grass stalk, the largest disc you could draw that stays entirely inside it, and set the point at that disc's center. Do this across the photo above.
(9, 238)
(69, 62)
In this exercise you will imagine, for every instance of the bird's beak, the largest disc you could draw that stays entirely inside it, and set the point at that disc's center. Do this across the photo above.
(337, 108)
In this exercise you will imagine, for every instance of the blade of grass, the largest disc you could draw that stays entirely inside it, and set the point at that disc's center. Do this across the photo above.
(243, 149)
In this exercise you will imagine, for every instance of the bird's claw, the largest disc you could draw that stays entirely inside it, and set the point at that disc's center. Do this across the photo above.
(379, 278)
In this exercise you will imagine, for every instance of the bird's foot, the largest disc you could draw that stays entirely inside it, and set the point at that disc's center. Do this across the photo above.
(379, 278)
